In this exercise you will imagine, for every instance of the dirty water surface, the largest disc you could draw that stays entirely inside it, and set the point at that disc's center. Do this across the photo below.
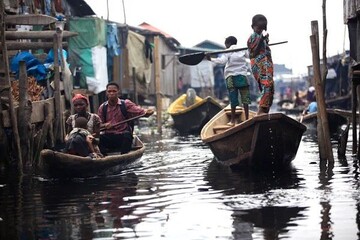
(178, 191)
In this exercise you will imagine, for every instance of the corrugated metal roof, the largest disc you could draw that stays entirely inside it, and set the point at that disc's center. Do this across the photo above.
(147, 26)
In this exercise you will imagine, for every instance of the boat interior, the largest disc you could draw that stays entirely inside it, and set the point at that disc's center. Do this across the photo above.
(221, 123)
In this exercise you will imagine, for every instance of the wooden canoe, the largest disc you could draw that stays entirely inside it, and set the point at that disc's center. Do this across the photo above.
(335, 119)
(54, 164)
(288, 107)
(190, 120)
(265, 140)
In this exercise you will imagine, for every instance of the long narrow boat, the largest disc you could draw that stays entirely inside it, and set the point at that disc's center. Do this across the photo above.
(336, 119)
(264, 140)
(54, 164)
(190, 120)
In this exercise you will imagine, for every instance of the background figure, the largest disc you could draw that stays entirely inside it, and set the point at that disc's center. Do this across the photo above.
(311, 108)
(298, 101)
(261, 62)
(190, 97)
(310, 94)
(236, 66)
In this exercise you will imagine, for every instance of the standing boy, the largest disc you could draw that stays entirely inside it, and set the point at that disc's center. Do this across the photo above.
(236, 66)
(261, 62)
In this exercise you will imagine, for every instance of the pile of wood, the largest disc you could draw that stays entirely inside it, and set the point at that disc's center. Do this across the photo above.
(34, 89)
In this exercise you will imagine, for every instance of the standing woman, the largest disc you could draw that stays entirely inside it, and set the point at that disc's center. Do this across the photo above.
(261, 62)
(80, 103)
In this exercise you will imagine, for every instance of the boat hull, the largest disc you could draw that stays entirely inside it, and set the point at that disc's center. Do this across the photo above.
(54, 164)
(335, 121)
(265, 140)
(192, 119)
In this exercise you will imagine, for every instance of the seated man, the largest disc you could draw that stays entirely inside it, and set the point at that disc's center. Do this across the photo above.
(80, 141)
(118, 137)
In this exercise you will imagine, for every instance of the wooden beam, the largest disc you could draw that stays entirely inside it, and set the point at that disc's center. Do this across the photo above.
(13, 35)
(29, 19)
(30, 45)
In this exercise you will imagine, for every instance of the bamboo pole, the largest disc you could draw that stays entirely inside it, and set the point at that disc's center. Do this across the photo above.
(325, 148)
(157, 84)
(19, 166)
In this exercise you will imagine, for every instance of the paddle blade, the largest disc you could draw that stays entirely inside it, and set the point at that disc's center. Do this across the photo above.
(192, 58)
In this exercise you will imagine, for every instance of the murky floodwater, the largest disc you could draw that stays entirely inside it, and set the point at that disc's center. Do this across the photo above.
(177, 191)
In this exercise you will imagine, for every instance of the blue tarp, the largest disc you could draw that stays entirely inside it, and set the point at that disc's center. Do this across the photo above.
(33, 66)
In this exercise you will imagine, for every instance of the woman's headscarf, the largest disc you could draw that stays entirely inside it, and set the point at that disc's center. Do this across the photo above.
(80, 96)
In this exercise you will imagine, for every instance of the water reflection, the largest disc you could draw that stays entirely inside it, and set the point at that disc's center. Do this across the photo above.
(249, 181)
(270, 220)
(178, 191)
(69, 209)
(274, 221)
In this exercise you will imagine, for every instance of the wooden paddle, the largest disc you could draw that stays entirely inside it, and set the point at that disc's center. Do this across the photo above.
(122, 122)
(196, 58)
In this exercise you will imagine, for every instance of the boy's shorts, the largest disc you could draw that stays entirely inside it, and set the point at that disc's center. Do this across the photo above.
(236, 84)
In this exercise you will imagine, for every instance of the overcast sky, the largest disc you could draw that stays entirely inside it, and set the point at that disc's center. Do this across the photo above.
(193, 21)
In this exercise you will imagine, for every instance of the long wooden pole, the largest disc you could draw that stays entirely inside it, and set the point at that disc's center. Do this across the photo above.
(323, 129)
(14, 124)
(157, 85)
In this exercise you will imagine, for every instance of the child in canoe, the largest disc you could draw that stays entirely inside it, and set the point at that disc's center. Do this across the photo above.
(80, 141)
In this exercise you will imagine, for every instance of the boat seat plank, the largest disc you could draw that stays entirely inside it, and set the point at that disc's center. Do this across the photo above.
(221, 128)
(237, 112)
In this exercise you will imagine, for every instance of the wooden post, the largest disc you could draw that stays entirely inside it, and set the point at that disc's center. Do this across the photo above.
(355, 79)
(19, 165)
(43, 133)
(24, 115)
(358, 99)
(136, 100)
(125, 78)
(157, 84)
(4, 144)
(323, 136)
(58, 126)
(324, 62)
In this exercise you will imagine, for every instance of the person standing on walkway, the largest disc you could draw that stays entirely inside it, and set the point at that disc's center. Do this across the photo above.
(261, 62)
(236, 69)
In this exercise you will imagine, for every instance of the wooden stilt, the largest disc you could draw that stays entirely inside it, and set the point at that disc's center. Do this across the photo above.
(355, 83)
(157, 84)
(19, 165)
(24, 114)
(58, 126)
(324, 140)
